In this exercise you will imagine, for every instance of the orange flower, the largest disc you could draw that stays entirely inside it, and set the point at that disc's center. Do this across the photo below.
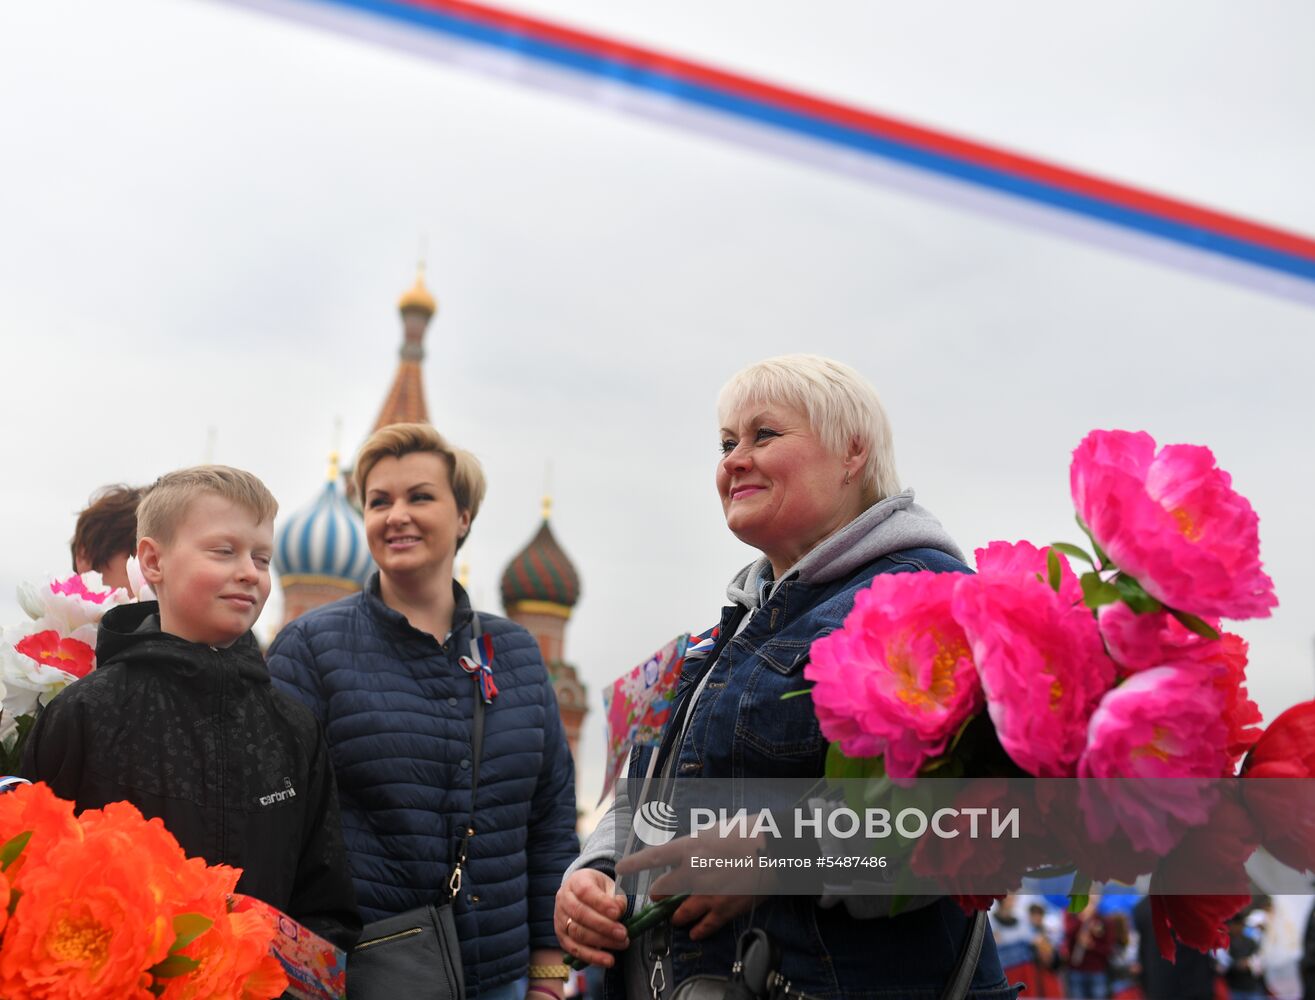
(5, 893)
(35, 809)
(98, 898)
(92, 919)
(235, 962)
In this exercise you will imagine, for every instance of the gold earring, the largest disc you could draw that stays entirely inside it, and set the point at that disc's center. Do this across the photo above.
(848, 477)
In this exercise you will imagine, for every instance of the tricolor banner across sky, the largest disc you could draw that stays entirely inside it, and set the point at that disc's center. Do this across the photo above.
(857, 142)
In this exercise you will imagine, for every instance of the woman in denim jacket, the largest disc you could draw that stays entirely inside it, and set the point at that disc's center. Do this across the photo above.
(807, 477)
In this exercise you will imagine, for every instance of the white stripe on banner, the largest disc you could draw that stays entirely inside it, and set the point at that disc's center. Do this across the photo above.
(872, 169)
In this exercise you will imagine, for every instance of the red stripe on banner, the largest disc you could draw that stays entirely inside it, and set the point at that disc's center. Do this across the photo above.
(882, 126)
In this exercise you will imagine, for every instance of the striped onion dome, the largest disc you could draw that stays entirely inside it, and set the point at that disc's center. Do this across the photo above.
(541, 572)
(324, 542)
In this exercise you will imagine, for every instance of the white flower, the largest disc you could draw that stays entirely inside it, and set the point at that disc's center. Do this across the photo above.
(30, 598)
(25, 682)
(70, 603)
(137, 581)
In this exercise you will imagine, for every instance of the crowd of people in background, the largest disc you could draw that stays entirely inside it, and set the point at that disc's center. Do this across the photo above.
(1107, 951)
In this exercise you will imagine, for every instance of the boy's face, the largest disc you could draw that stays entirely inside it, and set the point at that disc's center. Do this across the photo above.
(212, 577)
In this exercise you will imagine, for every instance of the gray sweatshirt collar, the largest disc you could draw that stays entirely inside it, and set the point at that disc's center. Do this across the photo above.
(892, 525)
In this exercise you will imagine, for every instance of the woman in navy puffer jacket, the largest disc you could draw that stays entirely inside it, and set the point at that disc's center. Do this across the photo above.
(382, 671)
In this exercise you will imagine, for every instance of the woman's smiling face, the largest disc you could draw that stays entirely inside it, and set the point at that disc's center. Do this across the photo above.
(781, 490)
(412, 523)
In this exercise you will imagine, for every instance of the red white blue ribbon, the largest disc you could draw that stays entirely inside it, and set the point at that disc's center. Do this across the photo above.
(480, 665)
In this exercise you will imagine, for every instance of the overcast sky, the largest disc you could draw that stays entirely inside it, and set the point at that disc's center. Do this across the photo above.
(207, 215)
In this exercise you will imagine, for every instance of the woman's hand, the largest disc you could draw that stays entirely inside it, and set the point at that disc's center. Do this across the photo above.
(704, 912)
(587, 917)
(709, 914)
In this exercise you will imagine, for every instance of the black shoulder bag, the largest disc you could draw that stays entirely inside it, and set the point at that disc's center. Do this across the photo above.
(754, 975)
(416, 954)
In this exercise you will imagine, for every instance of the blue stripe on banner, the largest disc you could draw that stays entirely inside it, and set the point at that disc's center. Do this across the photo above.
(760, 111)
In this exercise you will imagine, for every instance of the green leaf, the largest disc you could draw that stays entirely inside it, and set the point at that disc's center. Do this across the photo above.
(188, 927)
(802, 693)
(1074, 551)
(1096, 592)
(1194, 624)
(13, 848)
(174, 965)
(841, 767)
(1134, 595)
(1054, 570)
(14, 896)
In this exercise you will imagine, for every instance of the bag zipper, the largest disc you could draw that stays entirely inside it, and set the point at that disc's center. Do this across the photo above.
(409, 932)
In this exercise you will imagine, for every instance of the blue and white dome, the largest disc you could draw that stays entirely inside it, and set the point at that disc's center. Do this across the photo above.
(324, 542)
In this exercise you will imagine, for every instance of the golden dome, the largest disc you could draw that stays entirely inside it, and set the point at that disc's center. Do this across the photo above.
(418, 297)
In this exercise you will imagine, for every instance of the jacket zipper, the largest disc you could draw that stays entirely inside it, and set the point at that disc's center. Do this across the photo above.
(223, 765)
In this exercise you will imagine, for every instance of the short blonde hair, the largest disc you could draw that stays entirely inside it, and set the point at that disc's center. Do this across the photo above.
(840, 403)
(464, 473)
(165, 502)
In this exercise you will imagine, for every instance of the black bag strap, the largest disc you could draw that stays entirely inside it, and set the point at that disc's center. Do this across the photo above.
(476, 752)
(962, 977)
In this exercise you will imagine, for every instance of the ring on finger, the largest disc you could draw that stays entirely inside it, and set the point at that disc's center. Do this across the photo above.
(569, 921)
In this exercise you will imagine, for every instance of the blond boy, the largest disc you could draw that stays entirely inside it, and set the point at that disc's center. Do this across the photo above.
(180, 718)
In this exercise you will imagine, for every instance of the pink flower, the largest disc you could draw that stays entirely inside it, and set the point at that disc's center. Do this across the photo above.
(898, 679)
(76, 586)
(1040, 658)
(1141, 642)
(1173, 522)
(1160, 723)
(1163, 723)
(1024, 562)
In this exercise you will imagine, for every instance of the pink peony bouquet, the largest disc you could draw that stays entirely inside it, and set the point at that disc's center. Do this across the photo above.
(53, 648)
(1119, 669)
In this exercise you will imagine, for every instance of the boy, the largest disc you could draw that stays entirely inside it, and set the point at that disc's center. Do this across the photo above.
(180, 719)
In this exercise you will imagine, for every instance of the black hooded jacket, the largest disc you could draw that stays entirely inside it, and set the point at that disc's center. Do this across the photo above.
(197, 736)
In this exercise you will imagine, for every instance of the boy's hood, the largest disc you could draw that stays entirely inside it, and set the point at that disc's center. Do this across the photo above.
(135, 629)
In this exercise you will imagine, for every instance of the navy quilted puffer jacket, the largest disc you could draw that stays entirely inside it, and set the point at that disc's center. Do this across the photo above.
(396, 707)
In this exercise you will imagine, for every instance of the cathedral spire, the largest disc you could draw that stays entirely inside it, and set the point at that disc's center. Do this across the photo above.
(405, 402)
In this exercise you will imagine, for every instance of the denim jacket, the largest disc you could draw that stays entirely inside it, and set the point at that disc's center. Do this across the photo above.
(740, 728)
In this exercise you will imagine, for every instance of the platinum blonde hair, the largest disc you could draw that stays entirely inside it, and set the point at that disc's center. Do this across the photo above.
(840, 403)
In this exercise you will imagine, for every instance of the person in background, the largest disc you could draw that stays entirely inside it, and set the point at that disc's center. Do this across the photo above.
(1045, 945)
(1015, 942)
(806, 475)
(384, 671)
(1243, 976)
(105, 535)
(1192, 974)
(1088, 946)
(180, 718)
